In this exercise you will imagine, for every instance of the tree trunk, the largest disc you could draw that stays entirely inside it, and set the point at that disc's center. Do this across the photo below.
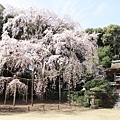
(14, 99)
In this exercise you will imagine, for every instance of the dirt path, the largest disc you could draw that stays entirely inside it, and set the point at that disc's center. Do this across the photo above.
(85, 114)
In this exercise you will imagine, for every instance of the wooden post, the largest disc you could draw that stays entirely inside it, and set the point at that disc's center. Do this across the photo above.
(114, 76)
(28, 108)
(14, 99)
(58, 107)
(44, 107)
(5, 94)
(69, 93)
(59, 91)
(27, 93)
(32, 87)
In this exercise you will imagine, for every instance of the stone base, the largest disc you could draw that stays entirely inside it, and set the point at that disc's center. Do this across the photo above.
(93, 106)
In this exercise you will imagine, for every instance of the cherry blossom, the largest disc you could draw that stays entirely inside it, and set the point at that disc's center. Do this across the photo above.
(47, 44)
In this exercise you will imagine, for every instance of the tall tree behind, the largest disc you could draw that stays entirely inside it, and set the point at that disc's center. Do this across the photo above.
(112, 38)
(108, 43)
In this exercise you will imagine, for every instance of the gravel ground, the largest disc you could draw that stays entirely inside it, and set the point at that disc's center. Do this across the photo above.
(73, 114)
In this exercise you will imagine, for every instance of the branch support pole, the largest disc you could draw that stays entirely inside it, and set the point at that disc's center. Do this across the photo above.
(27, 94)
(32, 88)
(5, 94)
(14, 98)
(59, 91)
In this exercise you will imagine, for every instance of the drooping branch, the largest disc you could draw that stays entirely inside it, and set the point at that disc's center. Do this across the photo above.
(21, 87)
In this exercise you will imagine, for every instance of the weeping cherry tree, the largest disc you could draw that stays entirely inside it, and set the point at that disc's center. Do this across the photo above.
(48, 45)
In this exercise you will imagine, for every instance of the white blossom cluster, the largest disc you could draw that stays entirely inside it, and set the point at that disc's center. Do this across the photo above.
(16, 84)
(3, 80)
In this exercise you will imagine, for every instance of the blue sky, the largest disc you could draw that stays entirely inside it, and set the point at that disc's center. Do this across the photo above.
(89, 13)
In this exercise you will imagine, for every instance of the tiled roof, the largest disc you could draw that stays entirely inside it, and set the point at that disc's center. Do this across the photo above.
(115, 64)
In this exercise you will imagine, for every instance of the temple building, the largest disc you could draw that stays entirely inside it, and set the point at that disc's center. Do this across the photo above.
(115, 70)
